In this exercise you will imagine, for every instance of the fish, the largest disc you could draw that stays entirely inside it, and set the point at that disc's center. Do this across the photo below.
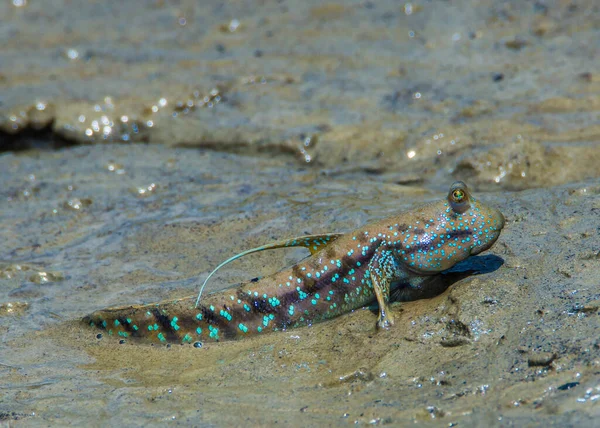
(344, 272)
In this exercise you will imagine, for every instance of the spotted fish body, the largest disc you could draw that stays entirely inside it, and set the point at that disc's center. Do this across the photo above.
(344, 272)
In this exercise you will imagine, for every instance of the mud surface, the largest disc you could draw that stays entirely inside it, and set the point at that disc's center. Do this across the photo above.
(143, 145)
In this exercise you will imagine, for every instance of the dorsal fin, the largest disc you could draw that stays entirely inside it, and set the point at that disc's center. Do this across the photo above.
(314, 243)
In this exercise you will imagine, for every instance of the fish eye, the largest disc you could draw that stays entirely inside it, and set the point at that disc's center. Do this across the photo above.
(458, 197)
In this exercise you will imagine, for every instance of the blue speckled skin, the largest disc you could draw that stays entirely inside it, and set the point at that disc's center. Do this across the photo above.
(345, 272)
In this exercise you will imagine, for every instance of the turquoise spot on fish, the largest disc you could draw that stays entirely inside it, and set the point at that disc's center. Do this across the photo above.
(135, 327)
(123, 334)
(104, 324)
(225, 314)
(291, 310)
(199, 330)
(214, 332)
(155, 326)
(199, 317)
(243, 328)
(128, 320)
(246, 307)
(161, 337)
(174, 323)
(267, 319)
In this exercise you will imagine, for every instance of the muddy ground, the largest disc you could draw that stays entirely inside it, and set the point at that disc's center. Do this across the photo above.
(141, 146)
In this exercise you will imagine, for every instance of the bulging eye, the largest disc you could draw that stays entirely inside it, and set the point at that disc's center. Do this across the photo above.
(458, 197)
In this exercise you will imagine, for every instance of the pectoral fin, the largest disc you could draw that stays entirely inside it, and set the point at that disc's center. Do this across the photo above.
(314, 243)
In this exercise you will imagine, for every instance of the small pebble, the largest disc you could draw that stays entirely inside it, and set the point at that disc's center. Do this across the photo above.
(497, 77)
(541, 359)
(516, 44)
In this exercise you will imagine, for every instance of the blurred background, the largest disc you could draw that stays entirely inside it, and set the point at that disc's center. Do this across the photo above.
(502, 93)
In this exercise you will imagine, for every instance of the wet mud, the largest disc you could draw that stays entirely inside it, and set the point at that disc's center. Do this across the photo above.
(142, 146)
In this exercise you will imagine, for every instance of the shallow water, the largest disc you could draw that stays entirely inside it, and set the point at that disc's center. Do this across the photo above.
(317, 118)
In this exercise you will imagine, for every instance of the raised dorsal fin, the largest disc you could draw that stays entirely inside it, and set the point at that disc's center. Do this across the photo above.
(314, 243)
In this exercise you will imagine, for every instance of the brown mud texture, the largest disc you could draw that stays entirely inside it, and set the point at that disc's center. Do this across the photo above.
(143, 143)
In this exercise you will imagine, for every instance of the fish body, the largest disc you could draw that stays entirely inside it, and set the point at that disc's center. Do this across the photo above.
(344, 272)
